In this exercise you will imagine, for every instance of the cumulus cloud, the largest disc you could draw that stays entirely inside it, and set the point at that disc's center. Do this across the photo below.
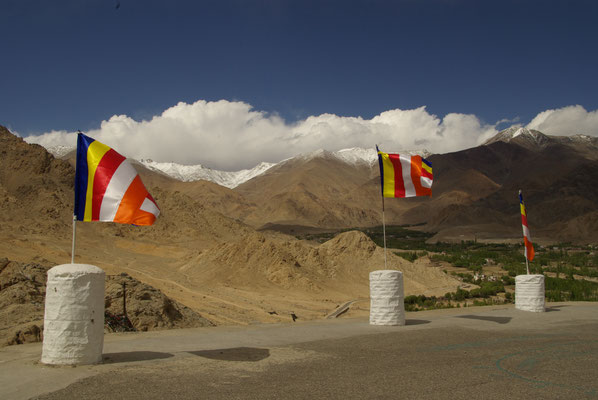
(232, 135)
(566, 121)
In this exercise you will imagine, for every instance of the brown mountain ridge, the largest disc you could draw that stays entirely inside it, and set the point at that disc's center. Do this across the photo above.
(200, 252)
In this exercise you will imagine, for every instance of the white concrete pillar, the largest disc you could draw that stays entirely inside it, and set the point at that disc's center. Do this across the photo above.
(387, 305)
(74, 315)
(529, 293)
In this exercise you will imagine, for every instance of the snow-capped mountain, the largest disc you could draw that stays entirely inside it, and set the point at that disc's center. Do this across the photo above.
(189, 173)
(352, 156)
(355, 155)
(519, 134)
(535, 140)
(232, 179)
(60, 151)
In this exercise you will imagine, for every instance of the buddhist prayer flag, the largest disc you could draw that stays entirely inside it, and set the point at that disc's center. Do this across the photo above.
(404, 175)
(527, 240)
(107, 187)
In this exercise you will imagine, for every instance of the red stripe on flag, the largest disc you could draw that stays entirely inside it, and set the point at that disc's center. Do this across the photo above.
(398, 169)
(104, 172)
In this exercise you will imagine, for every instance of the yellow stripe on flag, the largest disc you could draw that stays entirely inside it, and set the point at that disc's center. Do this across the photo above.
(426, 167)
(95, 152)
(388, 189)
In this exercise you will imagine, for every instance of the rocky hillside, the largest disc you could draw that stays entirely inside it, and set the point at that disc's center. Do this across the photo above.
(22, 298)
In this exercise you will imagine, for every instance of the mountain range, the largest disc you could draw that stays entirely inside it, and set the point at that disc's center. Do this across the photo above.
(475, 190)
(226, 252)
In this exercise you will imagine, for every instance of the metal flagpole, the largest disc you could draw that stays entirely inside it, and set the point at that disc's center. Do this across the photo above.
(384, 231)
(75, 202)
(74, 236)
(382, 193)
(524, 237)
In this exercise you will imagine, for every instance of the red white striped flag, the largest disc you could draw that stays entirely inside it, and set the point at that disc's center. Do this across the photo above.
(527, 240)
(405, 175)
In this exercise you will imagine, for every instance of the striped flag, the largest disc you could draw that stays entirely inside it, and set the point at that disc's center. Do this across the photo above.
(404, 175)
(527, 240)
(107, 187)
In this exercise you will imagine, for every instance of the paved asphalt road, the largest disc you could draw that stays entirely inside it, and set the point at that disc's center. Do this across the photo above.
(474, 353)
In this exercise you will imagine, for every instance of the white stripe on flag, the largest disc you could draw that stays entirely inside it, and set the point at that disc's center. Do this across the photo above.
(150, 207)
(526, 232)
(120, 182)
(406, 168)
(426, 182)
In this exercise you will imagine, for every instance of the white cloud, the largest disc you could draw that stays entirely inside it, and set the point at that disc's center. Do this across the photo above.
(566, 121)
(231, 135)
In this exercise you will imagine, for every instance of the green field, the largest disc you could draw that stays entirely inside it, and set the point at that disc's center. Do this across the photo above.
(571, 272)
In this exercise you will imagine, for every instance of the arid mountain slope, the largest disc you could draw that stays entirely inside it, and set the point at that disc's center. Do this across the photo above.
(216, 265)
(474, 192)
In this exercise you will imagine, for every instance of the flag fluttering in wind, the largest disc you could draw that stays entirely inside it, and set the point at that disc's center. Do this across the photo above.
(404, 175)
(527, 240)
(107, 187)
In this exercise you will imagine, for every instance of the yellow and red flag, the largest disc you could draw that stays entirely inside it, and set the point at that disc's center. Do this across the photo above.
(405, 175)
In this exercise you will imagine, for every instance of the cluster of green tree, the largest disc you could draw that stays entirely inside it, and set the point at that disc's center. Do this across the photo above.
(399, 237)
(465, 277)
(421, 302)
(558, 289)
(507, 280)
(562, 259)
(582, 261)
(411, 255)
(482, 296)
(473, 257)
(520, 269)
(485, 290)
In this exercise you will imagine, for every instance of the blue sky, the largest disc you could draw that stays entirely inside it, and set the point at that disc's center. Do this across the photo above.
(71, 64)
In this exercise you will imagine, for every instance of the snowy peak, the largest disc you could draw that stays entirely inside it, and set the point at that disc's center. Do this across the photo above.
(189, 173)
(520, 135)
(534, 140)
(354, 156)
(60, 151)
(357, 155)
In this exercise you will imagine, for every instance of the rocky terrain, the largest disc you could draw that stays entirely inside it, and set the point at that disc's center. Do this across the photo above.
(22, 296)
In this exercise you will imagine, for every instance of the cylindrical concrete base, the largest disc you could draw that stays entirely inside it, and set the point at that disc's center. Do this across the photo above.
(386, 298)
(529, 293)
(74, 315)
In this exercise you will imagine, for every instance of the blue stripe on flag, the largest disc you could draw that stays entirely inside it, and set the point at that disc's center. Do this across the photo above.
(81, 175)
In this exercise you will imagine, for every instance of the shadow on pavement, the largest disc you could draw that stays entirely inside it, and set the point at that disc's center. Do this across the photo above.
(554, 308)
(498, 320)
(416, 321)
(130, 356)
(234, 354)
